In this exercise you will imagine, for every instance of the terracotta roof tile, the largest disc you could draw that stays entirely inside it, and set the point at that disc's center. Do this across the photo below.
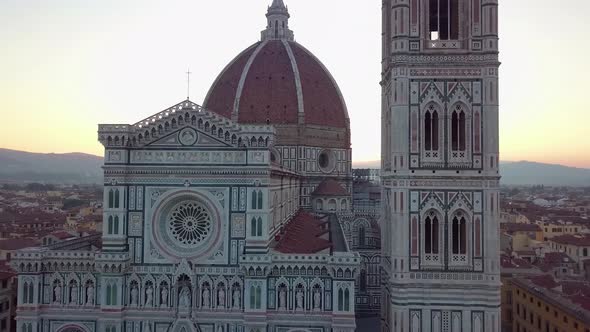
(270, 90)
(330, 187)
(302, 235)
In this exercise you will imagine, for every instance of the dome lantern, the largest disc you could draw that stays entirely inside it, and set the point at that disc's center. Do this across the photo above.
(277, 26)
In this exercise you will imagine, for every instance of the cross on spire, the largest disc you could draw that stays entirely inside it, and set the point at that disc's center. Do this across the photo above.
(188, 83)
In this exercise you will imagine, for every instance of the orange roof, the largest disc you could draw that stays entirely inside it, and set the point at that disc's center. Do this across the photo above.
(330, 187)
(302, 235)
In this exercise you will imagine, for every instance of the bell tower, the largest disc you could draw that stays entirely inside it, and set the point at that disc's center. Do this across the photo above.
(440, 165)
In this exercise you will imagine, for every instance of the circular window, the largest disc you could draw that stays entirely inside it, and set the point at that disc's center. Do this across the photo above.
(326, 161)
(186, 224)
(189, 222)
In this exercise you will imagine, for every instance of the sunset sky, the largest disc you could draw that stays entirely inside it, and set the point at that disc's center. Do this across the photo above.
(67, 65)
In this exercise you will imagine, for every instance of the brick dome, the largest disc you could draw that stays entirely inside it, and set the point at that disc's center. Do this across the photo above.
(278, 81)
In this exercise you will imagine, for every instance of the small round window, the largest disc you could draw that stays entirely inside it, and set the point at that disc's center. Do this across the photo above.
(326, 161)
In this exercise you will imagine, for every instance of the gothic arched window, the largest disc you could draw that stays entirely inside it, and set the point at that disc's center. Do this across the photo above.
(253, 227)
(108, 294)
(458, 130)
(111, 295)
(26, 292)
(254, 199)
(361, 234)
(110, 225)
(340, 299)
(459, 240)
(431, 129)
(259, 227)
(346, 300)
(116, 225)
(116, 206)
(111, 198)
(259, 200)
(431, 235)
(255, 297)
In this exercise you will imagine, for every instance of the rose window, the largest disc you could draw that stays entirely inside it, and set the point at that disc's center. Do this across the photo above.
(189, 223)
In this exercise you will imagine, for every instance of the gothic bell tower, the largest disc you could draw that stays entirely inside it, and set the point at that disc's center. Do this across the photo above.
(440, 165)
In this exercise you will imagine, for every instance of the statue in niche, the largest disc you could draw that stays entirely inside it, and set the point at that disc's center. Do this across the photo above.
(57, 293)
(134, 295)
(299, 299)
(90, 295)
(164, 296)
(74, 294)
(282, 299)
(206, 298)
(185, 297)
(316, 299)
(221, 297)
(237, 299)
(149, 296)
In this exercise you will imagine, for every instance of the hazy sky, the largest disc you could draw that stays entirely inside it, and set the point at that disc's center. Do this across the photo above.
(67, 65)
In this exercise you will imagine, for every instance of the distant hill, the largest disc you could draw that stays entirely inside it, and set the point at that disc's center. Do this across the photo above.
(21, 167)
(528, 173)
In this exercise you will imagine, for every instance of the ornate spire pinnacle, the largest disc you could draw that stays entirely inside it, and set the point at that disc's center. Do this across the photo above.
(278, 4)
(278, 22)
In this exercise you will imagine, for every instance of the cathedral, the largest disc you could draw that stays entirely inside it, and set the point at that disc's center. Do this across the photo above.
(217, 218)
(439, 164)
(241, 215)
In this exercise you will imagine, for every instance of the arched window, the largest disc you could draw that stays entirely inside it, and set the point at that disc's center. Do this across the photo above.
(454, 131)
(109, 295)
(253, 227)
(332, 205)
(31, 293)
(431, 129)
(431, 235)
(428, 132)
(459, 244)
(363, 281)
(254, 199)
(259, 227)
(116, 198)
(111, 198)
(259, 200)
(30, 328)
(346, 300)
(319, 204)
(340, 299)
(26, 293)
(110, 225)
(116, 225)
(277, 29)
(255, 297)
(458, 128)
(361, 234)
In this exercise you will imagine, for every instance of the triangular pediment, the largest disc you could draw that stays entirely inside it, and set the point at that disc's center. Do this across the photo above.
(186, 125)
(189, 136)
